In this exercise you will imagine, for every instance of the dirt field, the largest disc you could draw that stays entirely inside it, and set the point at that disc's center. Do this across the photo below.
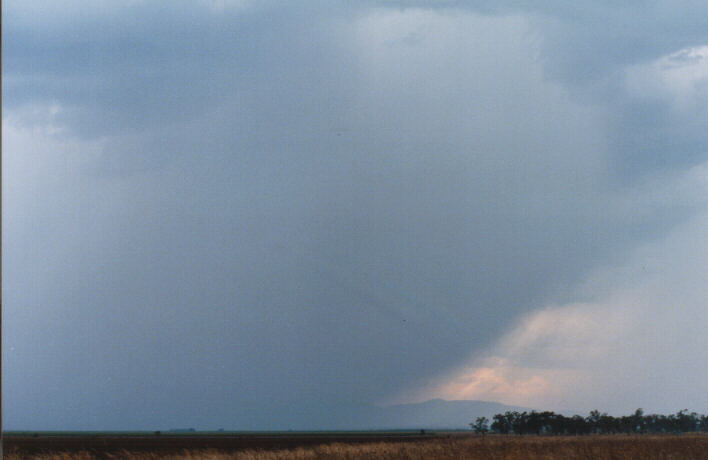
(360, 446)
(103, 445)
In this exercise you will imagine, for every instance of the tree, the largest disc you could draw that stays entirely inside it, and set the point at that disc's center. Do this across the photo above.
(516, 421)
(481, 425)
(501, 424)
(593, 421)
(687, 422)
(638, 421)
(600, 423)
(703, 422)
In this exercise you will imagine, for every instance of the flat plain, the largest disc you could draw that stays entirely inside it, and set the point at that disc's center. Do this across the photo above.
(400, 445)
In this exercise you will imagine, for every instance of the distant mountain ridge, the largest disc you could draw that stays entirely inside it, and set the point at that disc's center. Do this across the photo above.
(432, 414)
(439, 413)
(310, 415)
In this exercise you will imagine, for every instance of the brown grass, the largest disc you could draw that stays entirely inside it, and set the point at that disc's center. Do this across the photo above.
(683, 447)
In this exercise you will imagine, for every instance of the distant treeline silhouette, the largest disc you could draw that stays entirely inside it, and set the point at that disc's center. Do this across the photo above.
(513, 422)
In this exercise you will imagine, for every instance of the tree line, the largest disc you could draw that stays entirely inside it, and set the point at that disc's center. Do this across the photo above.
(513, 422)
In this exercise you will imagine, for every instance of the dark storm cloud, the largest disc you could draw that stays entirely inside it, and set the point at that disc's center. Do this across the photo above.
(216, 208)
(588, 45)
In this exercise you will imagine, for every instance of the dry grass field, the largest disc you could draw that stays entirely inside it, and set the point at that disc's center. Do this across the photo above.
(617, 447)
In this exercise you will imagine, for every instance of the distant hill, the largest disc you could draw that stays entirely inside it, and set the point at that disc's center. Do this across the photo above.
(433, 414)
(437, 413)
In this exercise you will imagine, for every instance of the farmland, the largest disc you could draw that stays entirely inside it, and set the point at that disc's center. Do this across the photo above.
(373, 445)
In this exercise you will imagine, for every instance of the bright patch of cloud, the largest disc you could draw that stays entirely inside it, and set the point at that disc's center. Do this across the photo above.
(639, 342)
(497, 381)
(680, 77)
(223, 5)
(537, 364)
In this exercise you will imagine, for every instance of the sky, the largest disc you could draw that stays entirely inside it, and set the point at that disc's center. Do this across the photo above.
(209, 206)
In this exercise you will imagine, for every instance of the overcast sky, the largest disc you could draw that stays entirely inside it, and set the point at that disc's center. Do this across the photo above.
(215, 204)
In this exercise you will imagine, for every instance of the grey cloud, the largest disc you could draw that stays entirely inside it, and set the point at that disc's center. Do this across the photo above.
(633, 344)
(286, 205)
(587, 46)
